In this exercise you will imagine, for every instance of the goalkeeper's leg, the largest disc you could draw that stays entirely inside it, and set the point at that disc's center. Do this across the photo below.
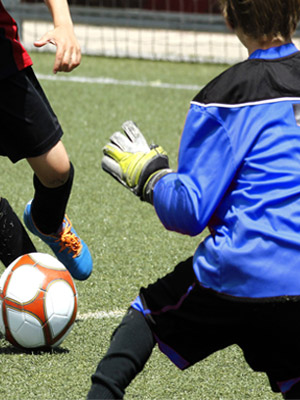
(293, 393)
(131, 346)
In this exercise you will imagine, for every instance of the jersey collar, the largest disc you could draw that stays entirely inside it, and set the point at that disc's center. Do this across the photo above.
(275, 52)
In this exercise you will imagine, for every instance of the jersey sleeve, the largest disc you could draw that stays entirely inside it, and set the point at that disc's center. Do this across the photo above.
(186, 200)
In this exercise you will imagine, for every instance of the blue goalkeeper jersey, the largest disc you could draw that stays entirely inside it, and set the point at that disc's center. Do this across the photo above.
(239, 175)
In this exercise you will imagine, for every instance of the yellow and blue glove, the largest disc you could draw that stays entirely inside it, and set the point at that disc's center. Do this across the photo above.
(135, 164)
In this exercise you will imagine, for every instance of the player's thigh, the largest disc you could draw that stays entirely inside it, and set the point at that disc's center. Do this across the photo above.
(29, 126)
(187, 319)
(271, 343)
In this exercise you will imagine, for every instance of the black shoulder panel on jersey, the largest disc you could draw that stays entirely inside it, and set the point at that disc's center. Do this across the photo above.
(254, 80)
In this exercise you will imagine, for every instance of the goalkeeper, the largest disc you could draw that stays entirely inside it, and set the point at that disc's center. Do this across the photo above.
(239, 174)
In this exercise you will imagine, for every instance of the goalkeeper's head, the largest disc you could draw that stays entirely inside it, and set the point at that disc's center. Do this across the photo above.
(262, 20)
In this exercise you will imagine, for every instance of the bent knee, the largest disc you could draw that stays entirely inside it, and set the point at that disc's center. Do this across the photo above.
(52, 168)
(56, 180)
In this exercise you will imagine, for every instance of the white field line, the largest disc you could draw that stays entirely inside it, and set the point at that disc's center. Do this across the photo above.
(112, 81)
(101, 315)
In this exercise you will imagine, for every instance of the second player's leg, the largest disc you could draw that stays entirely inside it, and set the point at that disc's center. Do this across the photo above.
(14, 240)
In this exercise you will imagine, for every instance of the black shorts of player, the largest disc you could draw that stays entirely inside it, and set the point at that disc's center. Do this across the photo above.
(190, 322)
(29, 127)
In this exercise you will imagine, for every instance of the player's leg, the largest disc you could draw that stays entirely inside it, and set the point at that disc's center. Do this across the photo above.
(133, 340)
(53, 178)
(45, 214)
(131, 346)
(293, 393)
(270, 341)
(14, 240)
(173, 312)
(30, 129)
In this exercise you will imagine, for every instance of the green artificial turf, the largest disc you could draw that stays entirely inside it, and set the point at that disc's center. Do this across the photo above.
(129, 245)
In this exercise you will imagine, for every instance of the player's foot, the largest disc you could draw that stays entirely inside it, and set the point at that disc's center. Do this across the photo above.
(66, 245)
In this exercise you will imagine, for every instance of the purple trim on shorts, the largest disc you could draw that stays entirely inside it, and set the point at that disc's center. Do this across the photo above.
(285, 386)
(175, 306)
(137, 304)
(176, 359)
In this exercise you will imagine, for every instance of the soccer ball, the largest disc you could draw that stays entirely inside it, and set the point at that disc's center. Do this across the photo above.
(38, 302)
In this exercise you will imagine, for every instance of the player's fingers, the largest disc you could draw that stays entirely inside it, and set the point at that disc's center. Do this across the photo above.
(113, 151)
(68, 56)
(121, 141)
(112, 167)
(70, 59)
(131, 130)
(58, 60)
(75, 58)
(64, 60)
(135, 136)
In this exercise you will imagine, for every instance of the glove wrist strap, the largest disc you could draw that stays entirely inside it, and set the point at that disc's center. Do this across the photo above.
(147, 194)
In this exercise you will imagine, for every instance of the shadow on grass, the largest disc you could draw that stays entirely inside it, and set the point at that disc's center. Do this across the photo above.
(14, 350)
(10, 349)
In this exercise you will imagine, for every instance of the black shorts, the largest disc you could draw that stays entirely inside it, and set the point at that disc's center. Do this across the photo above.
(190, 322)
(29, 127)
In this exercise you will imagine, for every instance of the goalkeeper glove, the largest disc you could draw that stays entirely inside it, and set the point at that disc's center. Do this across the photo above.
(135, 164)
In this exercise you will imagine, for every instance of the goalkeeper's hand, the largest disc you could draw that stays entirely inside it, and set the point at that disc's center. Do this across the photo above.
(135, 164)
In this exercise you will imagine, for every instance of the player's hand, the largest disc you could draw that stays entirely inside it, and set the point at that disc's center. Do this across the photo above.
(68, 53)
(130, 160)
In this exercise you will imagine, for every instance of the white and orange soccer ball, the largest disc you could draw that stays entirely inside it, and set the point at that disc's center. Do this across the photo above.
(38, 302)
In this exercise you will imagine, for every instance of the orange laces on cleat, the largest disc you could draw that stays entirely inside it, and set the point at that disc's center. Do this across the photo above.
(68, 240)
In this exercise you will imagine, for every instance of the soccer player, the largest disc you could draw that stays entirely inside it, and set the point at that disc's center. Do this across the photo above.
(30, 130)
(239, 174)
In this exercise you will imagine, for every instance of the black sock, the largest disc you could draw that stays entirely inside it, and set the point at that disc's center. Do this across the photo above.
(14, 240)
(49, 204)
(131, 346)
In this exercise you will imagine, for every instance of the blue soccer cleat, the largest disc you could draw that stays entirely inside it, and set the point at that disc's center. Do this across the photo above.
(66, 245)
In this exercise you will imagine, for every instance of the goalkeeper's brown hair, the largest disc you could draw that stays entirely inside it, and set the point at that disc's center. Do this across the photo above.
(263, 19)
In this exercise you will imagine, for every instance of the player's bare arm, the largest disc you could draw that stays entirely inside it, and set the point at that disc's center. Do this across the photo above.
(68, 54)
